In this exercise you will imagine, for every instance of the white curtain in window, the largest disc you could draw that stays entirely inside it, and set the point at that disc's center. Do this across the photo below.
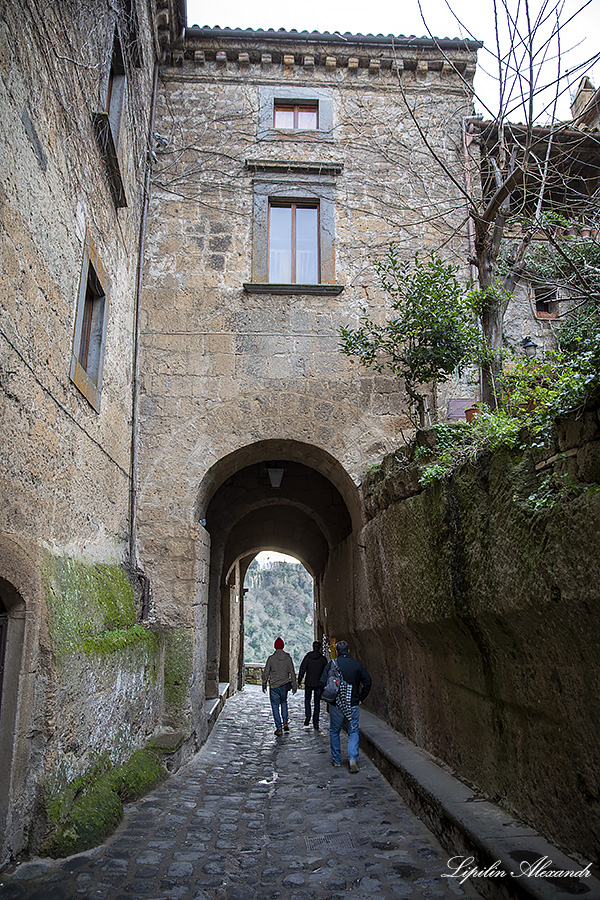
(307, 245)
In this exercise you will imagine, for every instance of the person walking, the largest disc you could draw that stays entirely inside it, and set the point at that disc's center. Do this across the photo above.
(311, 668)
(354, 673)
(280, 674)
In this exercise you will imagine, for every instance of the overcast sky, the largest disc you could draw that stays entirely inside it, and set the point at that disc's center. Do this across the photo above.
(474, 19)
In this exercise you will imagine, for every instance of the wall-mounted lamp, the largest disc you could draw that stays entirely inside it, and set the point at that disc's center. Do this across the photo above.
(529, 347)
(275, 471)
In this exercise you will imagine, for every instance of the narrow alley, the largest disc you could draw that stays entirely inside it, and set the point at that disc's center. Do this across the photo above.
(253, 815)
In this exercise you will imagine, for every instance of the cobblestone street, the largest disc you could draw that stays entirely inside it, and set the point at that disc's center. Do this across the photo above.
(255, 816)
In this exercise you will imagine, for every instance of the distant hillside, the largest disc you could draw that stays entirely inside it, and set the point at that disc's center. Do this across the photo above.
(279, 603)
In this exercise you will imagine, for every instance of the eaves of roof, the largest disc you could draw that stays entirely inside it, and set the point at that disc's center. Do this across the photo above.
(282, 36)
(561, 132)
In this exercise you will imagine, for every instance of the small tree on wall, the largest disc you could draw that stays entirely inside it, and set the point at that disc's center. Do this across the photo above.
(432, 333)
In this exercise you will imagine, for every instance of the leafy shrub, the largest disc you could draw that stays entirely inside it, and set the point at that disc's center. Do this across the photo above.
(556, 487)
(432, 331)
(460, 442)
(534, 393)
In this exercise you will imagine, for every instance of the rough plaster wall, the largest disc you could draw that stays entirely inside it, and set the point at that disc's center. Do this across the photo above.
(223, 368)
(478, 618)
(65, 473)
(106, 705)
(523, 320)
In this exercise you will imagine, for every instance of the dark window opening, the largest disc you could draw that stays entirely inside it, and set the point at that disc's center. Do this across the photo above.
(546, 301)
(132, 31)
(294, 243)
(296, 116)
(90, 345)
(87, 359)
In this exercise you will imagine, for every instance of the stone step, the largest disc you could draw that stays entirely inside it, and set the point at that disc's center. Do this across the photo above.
(472, 828)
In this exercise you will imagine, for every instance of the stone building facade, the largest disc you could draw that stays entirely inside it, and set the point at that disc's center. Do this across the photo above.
(277, 150)
(77, 84)
(188, 217)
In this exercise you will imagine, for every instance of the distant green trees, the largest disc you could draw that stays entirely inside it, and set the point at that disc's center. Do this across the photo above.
(279, 603)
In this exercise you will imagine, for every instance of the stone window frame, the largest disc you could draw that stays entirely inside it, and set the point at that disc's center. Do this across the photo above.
(269, 94)
(309, 183)
(89, 383)
(108, 121)
(546, 294)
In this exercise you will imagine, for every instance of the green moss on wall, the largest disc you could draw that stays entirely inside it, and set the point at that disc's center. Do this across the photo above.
(178, 671)
(88, 809)
(117, 639)
(139, 775)
(86, 600)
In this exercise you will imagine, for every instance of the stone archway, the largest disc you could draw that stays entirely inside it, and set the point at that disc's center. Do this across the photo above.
(12, 625)
(310, 515)
(20, 740)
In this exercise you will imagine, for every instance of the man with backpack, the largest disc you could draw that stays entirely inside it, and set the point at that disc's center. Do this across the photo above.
(311, 668)
(358, 679)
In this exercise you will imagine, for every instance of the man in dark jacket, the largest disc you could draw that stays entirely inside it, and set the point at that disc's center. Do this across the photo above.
(312, 667)
(355, 674)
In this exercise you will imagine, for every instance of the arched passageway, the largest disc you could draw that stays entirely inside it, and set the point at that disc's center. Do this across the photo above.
(277, 495)
(12, 626)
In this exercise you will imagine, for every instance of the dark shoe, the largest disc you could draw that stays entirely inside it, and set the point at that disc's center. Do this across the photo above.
(353, 766)
(337, 765)
(278, 732)
(286, 727)
(316, 727)
(307, 721)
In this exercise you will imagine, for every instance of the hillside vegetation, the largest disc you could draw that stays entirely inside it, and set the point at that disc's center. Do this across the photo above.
(279, 603)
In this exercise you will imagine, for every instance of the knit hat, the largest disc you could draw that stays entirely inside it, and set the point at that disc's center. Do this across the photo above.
(279, 644)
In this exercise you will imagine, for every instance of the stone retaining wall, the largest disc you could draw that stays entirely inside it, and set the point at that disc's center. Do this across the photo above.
(479, 618)
(253, 673)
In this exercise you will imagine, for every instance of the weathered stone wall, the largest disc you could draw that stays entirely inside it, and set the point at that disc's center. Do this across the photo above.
(108, 676)
(65, 479)
(477, 615)
(106, 687)
(226, 362)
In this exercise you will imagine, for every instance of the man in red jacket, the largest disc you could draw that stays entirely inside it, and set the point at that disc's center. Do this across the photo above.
(279, 672)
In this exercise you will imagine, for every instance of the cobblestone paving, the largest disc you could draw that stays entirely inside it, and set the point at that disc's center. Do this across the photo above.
(255, 817)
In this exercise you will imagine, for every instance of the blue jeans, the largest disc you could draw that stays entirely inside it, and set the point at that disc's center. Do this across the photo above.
(278, 698)
(308, 691)
(336, 720)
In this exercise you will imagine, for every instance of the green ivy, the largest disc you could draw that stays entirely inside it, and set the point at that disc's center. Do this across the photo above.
(534, 392)
(556, 488)
(580, 332)
(460, 443)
